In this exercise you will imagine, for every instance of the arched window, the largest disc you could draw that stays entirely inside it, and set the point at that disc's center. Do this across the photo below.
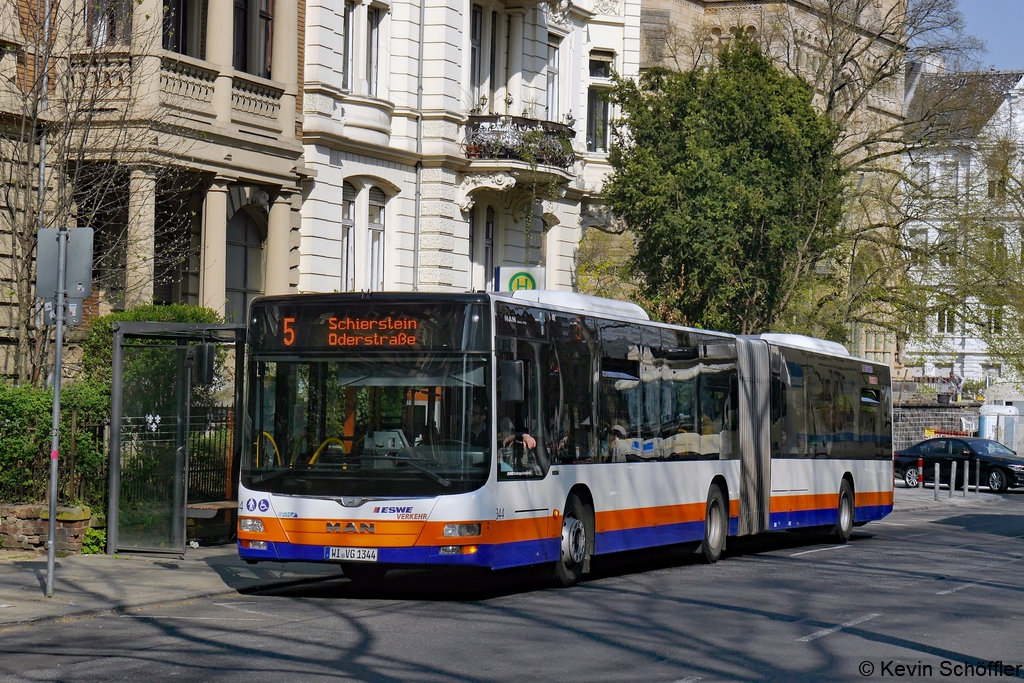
(244, 267)
(348, 242)
(375, 224)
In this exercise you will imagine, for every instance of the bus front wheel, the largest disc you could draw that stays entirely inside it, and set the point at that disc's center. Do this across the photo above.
(573, 551)
(715, 521)
(844, 518)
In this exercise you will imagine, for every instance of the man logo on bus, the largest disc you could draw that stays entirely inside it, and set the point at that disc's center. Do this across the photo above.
(350, 528)
(521, 280)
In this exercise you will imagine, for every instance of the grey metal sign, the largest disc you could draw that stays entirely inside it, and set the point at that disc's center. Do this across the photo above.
(72, 317)
(79, 264)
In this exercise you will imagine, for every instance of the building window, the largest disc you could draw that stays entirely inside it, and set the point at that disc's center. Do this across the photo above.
(110, 22)
(348, 229)
(489, 250)
(476, 32)
(597, 100)
(946, 321)
(183, 27)
(253, 36)
(348, 45)
(597, 120)
(994, 320)
(601, 63)
(375, 224)
(553, 109)
(244, 272)
(372, 44)
(493, 57)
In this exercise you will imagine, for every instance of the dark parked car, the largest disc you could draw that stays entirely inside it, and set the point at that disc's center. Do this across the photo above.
(1001, 468)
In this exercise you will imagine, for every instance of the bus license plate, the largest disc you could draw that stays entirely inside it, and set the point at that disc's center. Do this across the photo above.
(351, 554)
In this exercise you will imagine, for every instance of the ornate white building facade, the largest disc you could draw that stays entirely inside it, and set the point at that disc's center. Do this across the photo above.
(451, 137)
(969, 176)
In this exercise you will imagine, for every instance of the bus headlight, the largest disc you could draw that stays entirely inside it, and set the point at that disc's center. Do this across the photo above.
(248, 524)
(461, 530)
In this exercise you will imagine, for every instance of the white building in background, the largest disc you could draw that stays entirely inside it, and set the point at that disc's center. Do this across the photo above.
(454, 136)
(958, 175)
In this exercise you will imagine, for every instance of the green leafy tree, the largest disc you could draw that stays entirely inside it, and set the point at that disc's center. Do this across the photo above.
(728, 179)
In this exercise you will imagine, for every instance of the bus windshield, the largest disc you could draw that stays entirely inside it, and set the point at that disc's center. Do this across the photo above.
(368, 425)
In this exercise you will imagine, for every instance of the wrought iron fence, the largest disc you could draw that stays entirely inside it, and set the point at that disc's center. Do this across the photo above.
(511, 137)
(77, 481)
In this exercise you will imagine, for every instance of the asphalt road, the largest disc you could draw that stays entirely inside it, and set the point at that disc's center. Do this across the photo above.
(917, 590)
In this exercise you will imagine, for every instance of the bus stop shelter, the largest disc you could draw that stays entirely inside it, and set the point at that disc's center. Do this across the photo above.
(175, 433)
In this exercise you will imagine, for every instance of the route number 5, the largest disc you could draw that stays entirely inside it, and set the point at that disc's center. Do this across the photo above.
(289, 333)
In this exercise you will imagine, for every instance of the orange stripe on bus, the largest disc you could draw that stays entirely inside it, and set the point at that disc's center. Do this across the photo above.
(874, 498)
(617, 520)
(819, 501)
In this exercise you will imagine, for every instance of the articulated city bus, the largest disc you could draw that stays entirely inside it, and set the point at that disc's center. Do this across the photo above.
(500, 430)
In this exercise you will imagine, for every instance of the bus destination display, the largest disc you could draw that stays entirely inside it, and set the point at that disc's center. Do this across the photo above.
(361, 326)
(352, 331)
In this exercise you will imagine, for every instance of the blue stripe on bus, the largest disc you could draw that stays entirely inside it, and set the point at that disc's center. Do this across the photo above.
(824, 516)
(649, 536)
(496, 556)
(868, 513)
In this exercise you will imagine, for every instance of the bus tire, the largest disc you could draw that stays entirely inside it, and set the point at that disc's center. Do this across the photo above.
(364, 573)
(844, 513)
(716, 521)
(574, 542)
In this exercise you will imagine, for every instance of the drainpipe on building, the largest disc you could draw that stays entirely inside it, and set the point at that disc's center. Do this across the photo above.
(419, 153)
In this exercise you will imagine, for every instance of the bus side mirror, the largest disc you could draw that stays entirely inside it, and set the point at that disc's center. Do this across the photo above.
(511, 388)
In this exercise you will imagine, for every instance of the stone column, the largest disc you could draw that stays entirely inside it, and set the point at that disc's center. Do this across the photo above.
(219, 48)
(147, 34)
(515, 63)
(141, 247)
(284, 61)
(212, 291)
(279, 226)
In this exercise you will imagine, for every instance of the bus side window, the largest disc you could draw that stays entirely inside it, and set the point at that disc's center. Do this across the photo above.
(572, 343)
(619, 392)
(516, 418)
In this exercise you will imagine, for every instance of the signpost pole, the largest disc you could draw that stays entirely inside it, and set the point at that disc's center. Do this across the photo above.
(62, 255)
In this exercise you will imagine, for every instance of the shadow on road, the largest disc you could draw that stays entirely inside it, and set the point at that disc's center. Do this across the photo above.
(455, 584)
(1010, 526)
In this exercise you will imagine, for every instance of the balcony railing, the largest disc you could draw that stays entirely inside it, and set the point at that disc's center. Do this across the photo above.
(535, 142)
(255, 101)
(187, 83)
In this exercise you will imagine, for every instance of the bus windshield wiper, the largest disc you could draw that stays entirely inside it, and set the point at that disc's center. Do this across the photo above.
(411, 461)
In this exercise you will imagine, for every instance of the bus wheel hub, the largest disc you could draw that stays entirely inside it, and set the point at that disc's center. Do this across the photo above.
(574, 540)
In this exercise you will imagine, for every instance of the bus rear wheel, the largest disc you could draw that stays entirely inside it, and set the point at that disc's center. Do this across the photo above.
(844, 514)
(715, 526)
(573, 550)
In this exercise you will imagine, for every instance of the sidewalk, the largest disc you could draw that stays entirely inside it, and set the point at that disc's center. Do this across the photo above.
(88, 584)
(919, 499)
(85, 584)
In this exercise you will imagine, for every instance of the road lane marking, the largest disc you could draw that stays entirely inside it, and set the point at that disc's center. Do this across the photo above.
(818, 550)
(194, 619)
(689, 679)
(889, 524)
(840, 627)
(958, 588)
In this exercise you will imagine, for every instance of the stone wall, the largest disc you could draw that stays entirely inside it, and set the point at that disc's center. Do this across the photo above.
(26, 527)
